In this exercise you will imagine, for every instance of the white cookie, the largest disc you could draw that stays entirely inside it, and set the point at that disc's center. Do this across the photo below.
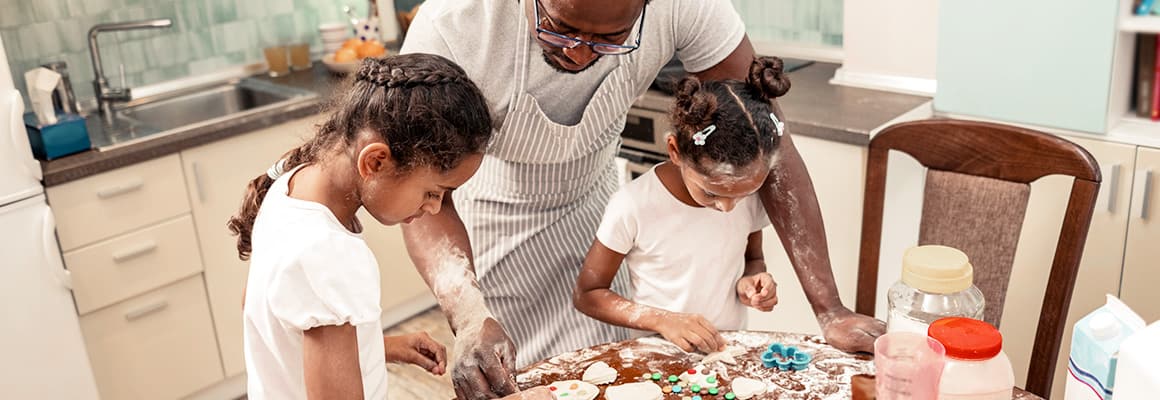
(634, 391)
(700, 377)
(728, 355)
(746, 388)
(599, 373)
(573, 390)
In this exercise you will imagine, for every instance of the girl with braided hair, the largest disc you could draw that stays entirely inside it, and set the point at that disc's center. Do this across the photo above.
(689, 230)
(404, 132)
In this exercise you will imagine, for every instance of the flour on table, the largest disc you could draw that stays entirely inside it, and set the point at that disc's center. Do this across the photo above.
(634, 391)
(746, 388)
(599, 373)
(573, 390)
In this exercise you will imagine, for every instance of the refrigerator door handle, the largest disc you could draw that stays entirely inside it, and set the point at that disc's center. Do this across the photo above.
(48, 241)
(16, 120)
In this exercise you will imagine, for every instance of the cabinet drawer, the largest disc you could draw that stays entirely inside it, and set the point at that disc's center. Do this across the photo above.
(118, 201)
(134, 263)
(159, 345)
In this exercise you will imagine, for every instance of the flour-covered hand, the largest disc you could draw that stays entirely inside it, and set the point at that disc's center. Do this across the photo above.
(849, 331)
(690, 332)
(758, 291)
(484, 361)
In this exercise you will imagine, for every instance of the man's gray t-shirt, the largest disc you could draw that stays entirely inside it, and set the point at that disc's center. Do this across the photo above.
(480, 36)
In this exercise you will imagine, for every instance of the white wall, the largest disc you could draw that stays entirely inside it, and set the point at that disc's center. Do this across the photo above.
(890, 44)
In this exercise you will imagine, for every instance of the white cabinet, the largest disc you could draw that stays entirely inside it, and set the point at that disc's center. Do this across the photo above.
(838, 173)
(217, 175)
(401, 282)
(1142, 255)
(1099, 271)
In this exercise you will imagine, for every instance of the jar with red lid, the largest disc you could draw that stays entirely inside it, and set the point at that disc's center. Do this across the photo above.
(976, 366)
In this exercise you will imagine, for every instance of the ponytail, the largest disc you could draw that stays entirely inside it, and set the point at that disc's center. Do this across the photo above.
(767, 76)
(242, 224)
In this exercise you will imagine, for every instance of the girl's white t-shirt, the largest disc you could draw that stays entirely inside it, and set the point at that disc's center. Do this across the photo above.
(307, 270)
(681, 258)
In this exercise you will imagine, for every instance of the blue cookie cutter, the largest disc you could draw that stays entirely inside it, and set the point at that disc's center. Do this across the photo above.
(785, 358)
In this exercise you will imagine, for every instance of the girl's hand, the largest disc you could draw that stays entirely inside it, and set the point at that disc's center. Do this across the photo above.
(758, 291)
(418, 349)
(690, 332)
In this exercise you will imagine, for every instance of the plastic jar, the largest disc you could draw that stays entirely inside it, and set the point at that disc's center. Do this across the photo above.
(976, 367)
(937, 282)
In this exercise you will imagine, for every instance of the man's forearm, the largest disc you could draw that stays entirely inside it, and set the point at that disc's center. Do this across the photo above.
(439, 247)
(792, 206)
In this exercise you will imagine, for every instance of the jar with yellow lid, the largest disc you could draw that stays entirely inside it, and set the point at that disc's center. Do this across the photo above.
(937, 282)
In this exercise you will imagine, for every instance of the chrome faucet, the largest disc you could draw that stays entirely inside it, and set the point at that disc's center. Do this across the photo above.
(107, 95)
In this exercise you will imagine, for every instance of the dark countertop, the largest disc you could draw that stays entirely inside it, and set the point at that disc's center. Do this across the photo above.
(813, 108)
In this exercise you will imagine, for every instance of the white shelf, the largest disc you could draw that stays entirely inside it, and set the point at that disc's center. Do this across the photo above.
(1135, 130)
(1140, 24)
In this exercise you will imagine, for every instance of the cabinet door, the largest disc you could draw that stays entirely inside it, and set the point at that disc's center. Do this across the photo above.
(1041, 62)
(1099, 271)
(838, 173)
(217, 175)
(1142, 255)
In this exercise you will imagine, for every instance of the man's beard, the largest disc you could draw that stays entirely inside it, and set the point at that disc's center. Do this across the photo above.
(556, 66)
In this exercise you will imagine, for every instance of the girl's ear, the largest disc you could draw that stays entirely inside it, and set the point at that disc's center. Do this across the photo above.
(374, 159)
(674, 153)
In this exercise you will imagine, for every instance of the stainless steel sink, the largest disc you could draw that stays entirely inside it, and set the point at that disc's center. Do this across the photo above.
(180, 111)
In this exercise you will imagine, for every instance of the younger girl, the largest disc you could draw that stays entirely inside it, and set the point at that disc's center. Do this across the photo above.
(689, 230)
(404, 132)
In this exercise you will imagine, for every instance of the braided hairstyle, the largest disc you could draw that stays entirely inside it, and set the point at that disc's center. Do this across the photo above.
(423, 106)
(739, 111)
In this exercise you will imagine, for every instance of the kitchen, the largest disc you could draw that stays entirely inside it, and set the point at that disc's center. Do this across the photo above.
(128, 239)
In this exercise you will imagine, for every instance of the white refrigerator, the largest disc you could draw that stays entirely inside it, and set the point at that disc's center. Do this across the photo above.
(42, 353)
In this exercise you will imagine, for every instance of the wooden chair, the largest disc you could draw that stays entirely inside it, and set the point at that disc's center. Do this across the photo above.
(976, 192)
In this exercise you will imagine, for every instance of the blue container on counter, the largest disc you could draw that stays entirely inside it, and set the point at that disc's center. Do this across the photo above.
(67, 136)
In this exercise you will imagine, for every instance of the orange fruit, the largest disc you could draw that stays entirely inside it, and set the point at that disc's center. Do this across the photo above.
(345, 55)
(371, 49)
(352, 43)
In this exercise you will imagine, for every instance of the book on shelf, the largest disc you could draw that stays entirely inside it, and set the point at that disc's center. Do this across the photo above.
(1155, 114)
(1145, 67)
(1143, 7)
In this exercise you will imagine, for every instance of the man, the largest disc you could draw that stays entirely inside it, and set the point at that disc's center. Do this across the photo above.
(560, 76)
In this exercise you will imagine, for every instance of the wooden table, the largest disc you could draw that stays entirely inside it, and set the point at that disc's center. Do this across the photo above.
(827, 378)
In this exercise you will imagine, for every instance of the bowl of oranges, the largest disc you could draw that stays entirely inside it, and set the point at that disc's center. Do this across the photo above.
(347, 58)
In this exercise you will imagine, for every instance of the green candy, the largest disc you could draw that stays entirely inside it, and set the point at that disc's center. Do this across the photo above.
(711, 379)
(730, 396)
(673, 378)
(713, 391)
(695, 388)
(656, 376)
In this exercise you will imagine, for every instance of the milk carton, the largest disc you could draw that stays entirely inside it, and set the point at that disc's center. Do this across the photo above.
(1137, 372)
(1095, 342)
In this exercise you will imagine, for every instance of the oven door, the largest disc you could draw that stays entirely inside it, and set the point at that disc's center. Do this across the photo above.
(646, 130)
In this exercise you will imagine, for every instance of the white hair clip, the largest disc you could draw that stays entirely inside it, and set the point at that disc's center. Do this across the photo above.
(777, 123)
(277, 169)
(699, 137)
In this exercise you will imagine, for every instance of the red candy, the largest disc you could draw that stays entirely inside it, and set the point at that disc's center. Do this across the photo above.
(692, 371)
(552, 388)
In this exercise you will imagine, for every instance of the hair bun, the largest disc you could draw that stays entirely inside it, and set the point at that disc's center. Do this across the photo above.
(767, 75)
(694, 106)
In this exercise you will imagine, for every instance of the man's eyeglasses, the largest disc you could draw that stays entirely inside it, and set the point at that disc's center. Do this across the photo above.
(562, 41)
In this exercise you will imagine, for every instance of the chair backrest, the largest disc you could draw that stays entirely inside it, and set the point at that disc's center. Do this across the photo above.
(976, 196)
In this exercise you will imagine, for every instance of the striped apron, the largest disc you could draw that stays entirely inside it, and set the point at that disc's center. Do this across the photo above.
(533, 208)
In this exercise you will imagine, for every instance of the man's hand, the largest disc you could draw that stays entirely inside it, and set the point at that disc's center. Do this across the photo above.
(418, 349)
(758, 291)
(484, 360)
(851, 332)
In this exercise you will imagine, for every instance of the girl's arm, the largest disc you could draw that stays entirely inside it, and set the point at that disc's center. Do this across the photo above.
(594, 298)
(330, 363)
(756, 288)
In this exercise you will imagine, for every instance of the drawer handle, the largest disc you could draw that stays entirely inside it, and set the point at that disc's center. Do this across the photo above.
(138, 251)
(1146, 199)
(120, 189)
(145, 311)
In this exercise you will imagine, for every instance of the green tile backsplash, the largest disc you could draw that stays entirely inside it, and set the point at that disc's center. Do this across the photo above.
(811, 22)
(206, 35)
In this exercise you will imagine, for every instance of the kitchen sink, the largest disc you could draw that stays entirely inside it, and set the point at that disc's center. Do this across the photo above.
(183, 110)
